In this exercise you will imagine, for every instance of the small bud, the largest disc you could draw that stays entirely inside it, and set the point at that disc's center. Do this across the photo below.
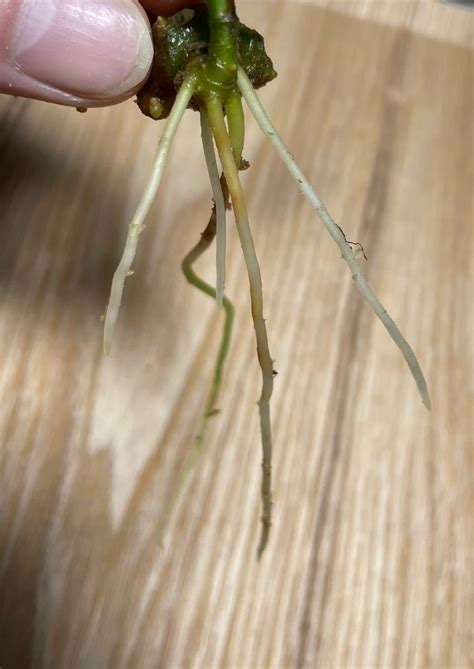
(155, 108)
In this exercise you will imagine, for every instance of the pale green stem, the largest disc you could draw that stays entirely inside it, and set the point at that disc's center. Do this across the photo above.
(335, 231)
(236, 125)
(216, 118)
(136, 226)
(210, 156)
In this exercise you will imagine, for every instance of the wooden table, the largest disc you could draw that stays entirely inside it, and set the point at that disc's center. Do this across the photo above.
(371, 552)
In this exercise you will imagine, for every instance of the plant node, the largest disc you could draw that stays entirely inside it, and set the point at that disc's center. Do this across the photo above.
(183, 47)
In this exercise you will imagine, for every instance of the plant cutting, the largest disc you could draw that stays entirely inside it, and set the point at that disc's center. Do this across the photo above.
(208, 61)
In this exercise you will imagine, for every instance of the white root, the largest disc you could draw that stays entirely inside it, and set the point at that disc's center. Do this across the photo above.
(136, 226)
(211, 163)
(258, 111)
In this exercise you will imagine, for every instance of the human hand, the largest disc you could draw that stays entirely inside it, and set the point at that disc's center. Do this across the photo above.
(83, 53)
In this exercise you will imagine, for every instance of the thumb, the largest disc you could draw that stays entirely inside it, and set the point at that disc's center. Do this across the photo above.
(74, 52)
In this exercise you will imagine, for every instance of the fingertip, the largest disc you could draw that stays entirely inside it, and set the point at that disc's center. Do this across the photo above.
(85, 51)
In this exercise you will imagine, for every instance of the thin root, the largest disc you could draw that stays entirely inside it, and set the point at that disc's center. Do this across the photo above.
(211, 409)
(227, 156)
(219, 206)
(136, 226)
(334, 230)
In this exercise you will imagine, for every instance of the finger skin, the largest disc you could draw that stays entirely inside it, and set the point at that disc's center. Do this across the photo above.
(87, 53)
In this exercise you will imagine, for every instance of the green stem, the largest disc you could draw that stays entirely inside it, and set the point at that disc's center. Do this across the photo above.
(222, 64)
(216, 119)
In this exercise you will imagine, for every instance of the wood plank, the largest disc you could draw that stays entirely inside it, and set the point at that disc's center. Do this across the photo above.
(371, 550)
(447, 20)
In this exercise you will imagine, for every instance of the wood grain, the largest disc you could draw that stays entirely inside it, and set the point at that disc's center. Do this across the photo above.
(433, 18)
(371, 553)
